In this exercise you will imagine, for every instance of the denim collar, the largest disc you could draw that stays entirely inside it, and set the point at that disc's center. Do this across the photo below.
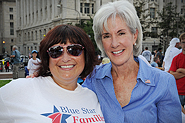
(144, 74)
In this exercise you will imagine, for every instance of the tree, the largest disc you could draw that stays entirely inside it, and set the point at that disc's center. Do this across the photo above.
(144, 16)
(168, 22)
(86, 25)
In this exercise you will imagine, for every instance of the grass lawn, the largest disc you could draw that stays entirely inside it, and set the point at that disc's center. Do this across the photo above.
(4, 82)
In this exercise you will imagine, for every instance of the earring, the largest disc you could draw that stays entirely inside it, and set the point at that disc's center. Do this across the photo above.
(135, 44)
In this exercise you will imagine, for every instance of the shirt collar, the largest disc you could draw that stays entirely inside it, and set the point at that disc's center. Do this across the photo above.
(144, 73)
(106, 72)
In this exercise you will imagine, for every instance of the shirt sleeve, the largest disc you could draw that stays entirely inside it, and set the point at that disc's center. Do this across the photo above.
(173, 65)
(169, 107)
(87, 83)
(13, 53)
(29, 64)
(142, 53)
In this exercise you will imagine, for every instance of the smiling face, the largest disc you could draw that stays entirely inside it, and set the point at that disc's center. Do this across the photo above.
(118, 41)
(66, 68)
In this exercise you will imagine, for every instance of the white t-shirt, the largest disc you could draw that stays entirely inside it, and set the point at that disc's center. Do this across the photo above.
(144, 59)
(173, 52)
(41, 100)
(33, 65)
(147, 54)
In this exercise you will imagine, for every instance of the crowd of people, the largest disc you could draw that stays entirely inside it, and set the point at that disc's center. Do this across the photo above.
(173, 63)
(16, 62)
(124, 88)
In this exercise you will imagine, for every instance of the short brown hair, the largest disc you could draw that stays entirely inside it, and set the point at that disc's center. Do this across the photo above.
(182, 36)
(61, 34)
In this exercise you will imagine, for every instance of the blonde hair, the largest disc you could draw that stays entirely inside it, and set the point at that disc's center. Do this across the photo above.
(182, 36)
(105, 60)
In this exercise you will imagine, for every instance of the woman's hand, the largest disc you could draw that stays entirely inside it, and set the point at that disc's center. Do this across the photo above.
(35, 74)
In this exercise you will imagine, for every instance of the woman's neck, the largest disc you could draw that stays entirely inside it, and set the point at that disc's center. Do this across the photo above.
(125, 70)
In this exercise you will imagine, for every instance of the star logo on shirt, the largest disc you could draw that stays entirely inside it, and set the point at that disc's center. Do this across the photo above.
(56, 116)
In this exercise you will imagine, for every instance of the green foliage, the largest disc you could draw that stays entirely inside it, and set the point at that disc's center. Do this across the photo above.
(4, 82)
(169, 22)
(86, 25)
(144, 17)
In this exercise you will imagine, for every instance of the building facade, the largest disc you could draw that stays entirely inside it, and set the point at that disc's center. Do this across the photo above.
(153, 7)
(36, 17)
(8, 24)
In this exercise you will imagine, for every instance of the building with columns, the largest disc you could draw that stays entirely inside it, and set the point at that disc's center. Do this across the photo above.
(152, 41)
(36, 17)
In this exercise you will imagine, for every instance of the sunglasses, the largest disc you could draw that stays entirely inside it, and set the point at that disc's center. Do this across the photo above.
(73, 49)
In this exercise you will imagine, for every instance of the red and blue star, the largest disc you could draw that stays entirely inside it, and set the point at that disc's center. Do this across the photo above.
(56, 116)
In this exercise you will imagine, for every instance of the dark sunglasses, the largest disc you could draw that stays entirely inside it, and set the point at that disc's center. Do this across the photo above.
(73, 49)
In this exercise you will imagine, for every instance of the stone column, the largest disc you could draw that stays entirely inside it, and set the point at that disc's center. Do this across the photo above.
(28, 17)
(78, 5)
(35, 11)
(43, 10)
(97, 5)
(160, 2)
(39, 14)
(53, 9)
(24, 11)
(48, 10)
(18, 12)
(31, 12)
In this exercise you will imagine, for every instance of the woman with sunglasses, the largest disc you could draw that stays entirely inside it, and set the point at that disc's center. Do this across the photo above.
(54, 96)
(129, 90)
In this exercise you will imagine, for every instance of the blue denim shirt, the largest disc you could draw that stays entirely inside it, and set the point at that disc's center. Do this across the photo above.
(16, 59)
(154, 99)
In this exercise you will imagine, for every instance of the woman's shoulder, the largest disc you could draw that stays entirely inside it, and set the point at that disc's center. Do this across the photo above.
(31, 59)
(161, 78)
(88, 92)
(15, 88)
(100, 70)
(152, 73)
(21, 87)
(103, 67)
(20, 84)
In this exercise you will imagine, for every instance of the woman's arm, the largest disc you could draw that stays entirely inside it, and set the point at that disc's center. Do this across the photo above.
(169, 106)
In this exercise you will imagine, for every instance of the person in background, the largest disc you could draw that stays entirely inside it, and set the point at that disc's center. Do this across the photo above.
(155, 62)
(147, 54)
(129, 90)
(7, 65)
(159, 55)
(170, 53)
(54, 96)
(177, 69)
(33, 63)
(105, 60)
(16, 61)
(155, 52)
(152, 58)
